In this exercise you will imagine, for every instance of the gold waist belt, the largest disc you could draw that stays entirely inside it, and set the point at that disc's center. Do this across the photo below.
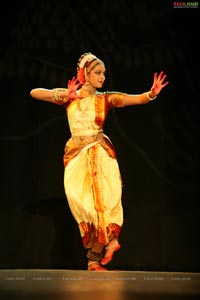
(87, 139)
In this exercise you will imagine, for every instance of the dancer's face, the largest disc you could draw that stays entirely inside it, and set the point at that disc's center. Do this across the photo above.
(96, 76)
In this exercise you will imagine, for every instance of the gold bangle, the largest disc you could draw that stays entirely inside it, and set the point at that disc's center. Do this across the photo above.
(56, 94)
(150, 98)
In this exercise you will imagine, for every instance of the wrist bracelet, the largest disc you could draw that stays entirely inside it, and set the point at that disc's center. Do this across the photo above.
(150, 98)
(56, 94)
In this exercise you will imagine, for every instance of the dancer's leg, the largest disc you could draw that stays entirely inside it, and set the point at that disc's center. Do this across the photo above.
(93, 261)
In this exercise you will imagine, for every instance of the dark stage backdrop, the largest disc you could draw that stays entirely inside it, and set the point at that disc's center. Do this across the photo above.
(157, 143)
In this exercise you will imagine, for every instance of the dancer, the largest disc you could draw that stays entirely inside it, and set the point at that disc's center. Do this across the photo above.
(92, 179)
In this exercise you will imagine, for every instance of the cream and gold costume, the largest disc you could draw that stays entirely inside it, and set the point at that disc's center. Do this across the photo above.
(92, 179)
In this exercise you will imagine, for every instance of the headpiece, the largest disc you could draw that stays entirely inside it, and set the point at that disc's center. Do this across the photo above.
(86, 63)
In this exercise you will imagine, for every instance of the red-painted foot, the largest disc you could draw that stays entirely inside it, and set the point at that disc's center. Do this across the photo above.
(112, 247)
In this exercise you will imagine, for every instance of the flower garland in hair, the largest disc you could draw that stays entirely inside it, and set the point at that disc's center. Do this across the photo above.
(88, 57)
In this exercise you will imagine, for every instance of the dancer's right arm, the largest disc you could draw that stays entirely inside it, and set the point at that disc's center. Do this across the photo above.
(58, 95)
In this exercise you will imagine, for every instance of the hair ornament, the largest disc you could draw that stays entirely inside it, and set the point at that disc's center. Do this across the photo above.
(87, 58)
(81, 75)
(81, 70)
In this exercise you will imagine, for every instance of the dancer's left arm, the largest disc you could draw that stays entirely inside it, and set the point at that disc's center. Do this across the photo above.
(158, 84)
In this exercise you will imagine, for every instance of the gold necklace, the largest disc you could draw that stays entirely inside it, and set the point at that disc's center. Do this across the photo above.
(88, 90)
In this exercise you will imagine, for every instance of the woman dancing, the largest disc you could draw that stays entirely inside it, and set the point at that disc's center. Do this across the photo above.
(92, 178)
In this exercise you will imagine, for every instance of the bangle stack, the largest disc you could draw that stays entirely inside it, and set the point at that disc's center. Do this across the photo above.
(150, 98)
(56, 94)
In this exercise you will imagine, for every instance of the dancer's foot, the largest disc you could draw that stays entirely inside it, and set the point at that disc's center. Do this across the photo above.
(112, 247)
(94, 266)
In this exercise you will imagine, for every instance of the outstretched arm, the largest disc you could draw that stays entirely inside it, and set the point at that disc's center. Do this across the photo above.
(158, 84)
(58, 95)
(49, 95)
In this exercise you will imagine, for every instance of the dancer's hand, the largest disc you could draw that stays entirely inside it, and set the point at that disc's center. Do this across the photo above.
(73, 86)
(158, 83)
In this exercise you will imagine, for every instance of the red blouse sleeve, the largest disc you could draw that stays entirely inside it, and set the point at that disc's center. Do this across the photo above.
(115, 99)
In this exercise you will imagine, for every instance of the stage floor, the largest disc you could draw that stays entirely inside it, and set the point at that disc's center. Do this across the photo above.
(40, 284)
